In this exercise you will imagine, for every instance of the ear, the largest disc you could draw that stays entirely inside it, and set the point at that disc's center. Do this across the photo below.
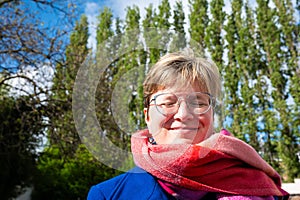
(146, 114)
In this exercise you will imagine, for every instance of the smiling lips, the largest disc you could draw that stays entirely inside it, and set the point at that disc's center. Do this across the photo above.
(183, 128)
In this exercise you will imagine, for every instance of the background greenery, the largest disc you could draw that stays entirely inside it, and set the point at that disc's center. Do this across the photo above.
(255, 48)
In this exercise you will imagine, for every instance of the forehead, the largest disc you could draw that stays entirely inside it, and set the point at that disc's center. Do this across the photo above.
(181, 89)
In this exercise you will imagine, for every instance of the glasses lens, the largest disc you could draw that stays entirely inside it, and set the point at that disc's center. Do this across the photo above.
(166, 103)
(198, 103)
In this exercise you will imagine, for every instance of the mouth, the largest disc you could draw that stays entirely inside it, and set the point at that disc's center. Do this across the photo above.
(184, 128)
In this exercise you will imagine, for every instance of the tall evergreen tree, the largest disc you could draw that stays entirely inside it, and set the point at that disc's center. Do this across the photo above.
(288, 37)
(240, 90)
(272, 46)
(213, 38)
(19, 138)
(198, 22)
(136, 64)
(179, 36)
(156, 27)
(104, 47)
(261, 112)
(215, 43)
(65, 159)
(162, 20)
(232, 72)
(127, 96)
(104, 28)
(150, 34)
(62, 130)
(110, 142)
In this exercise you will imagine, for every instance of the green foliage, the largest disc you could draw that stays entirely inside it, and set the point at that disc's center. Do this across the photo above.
(61, 177)
(104, 30)
(64, 160)
(18, 141)
(179, 38)
(62, 130)
(198, 21)
(213, 37)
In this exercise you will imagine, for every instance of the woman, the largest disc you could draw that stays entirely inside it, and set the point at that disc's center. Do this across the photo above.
(180, 156)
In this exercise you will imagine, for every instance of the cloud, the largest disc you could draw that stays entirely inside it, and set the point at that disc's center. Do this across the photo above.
(91, 11)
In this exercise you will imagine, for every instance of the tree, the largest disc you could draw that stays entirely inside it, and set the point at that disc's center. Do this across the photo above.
(134, 71)
(60, 177)
(18, 143)
(198, 22)
(56, 163)
(156, 27)
(27, 45)
(277, 74)
(179, 37)
(232, 71)
(26, 40)
(112, 143)
(150, 33)
(62, 130)
(289, 147)
(214, 42)
(162, 21)
(213, 37)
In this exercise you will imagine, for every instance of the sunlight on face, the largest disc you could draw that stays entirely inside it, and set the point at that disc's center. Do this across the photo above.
(170, 124)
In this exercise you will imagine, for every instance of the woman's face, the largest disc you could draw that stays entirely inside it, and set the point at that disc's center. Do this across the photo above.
(184, 126)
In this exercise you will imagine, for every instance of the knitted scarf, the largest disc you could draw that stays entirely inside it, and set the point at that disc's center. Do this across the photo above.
(221, 164)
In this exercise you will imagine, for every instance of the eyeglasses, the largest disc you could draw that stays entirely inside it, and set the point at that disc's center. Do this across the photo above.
(168, 103)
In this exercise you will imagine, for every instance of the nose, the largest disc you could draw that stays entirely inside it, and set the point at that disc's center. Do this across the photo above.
(183, 113)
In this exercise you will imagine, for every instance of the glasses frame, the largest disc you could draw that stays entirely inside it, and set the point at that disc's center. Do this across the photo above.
(211, 102)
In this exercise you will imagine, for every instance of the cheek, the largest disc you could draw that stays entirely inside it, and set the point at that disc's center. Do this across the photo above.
(155, 121)
(206, 120)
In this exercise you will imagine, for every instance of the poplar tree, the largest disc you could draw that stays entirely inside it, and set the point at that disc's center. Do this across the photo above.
(179, 37)
(213, 38)
(136, 65)
(214, 43)
(150, 35)
(198, 22)
(156, 27)
(232, 72)
(261, 116)
(59, 163)
(271, 36)
(105, 46)
(129, 76)
(104, 28)
(290, 60)
(163, 23)
(62, 130)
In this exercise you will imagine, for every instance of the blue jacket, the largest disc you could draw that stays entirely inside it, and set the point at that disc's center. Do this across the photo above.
(135, 184)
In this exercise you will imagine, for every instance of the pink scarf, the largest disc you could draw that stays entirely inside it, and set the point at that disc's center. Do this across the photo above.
(221, 164)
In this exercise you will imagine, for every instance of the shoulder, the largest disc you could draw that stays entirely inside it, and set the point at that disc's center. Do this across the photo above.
(134, 184)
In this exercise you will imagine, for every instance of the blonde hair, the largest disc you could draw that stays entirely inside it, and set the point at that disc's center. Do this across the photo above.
(181, 69)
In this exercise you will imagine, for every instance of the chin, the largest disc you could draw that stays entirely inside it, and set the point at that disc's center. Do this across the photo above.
(182, 141)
